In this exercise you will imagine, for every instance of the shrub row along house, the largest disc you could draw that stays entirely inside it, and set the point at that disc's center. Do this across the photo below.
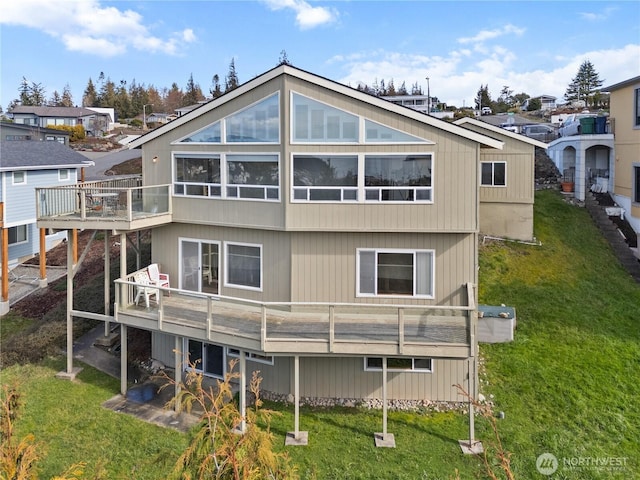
(323, 236)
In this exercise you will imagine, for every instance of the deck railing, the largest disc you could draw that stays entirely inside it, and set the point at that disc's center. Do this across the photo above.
(121, 198)
(279, 326)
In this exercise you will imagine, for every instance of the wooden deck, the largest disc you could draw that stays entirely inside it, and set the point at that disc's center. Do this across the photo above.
(320, 329)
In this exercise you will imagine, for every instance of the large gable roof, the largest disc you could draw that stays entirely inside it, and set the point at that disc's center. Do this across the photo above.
(37, 155)
(323, 82)
(619, 85)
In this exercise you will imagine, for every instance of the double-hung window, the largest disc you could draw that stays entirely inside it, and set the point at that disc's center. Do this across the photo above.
(384, 272)
(325, 178)
(243, 266)
(398, 178)
(493, 174)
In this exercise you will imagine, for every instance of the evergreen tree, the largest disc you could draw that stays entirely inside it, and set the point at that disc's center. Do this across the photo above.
(156, 99)
(121, 102)
(584, 84)
(403, 89)
(416, 90)
(283, 60)
(90, 96)
(483, 98)
(391, 89)
(24, 92)
(67, 98)
(215, 89)
(107, 94)
(193, 93)
(37, 94)
(231, 81)
(55, 100)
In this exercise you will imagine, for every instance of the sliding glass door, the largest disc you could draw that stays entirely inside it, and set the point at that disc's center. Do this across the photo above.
(199, 265)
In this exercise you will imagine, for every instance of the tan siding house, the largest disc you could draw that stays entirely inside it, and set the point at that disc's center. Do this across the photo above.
(324, 236)
(625, 116)
(507, 182)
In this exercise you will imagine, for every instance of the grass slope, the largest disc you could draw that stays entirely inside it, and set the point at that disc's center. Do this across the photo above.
(570, 382)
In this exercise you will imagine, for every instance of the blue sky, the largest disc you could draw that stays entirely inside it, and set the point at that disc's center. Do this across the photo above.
(533, 47)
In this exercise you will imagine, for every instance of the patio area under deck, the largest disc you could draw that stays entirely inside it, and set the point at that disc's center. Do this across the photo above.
(119, 204)
(303, 328)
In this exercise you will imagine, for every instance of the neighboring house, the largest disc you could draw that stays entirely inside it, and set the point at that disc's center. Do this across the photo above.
(323, 236)
(158, 118)
(547, 102)
(507, 182)
(586, 160)
(11, 131)
(25, 166)
(184, 110)
(625, 124)
(94, 123)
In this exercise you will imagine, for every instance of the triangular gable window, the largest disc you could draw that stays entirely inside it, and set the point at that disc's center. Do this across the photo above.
(209, 134)
(318, 122)
(377, 133)
(259, 123)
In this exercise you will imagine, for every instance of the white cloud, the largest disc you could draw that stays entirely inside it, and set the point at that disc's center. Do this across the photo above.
(307, 16)
(599, 16)
(456, 78)
(86, 26)
(484, 35)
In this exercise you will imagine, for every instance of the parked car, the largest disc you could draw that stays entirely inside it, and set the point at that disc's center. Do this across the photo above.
(571, 124)
(486, 111)
(544, 133)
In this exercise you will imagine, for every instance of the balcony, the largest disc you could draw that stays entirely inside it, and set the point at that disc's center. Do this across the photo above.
(119, 204)
(279, 328)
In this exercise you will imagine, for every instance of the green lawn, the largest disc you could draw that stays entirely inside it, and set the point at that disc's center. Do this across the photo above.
(568, 385)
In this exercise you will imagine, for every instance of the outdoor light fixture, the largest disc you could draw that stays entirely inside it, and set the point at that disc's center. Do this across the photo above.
(154, 159)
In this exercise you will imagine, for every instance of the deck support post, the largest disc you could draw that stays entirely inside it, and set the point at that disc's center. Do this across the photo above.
(123, 359)
(177, 374)
(384, 439)
(243, 391)
(70, 373)
(471, 446)
(42, 281)
(296, 437)
(107, 279)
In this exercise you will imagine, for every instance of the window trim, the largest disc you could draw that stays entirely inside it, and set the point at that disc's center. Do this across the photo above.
(62, 178)
(187, 361)
(361, 188)
(224, 183)
(413, 369)
(635, 121)
(226, 246)
(635, 183)
(431, 252)
(16, 228)
(24, 177)
(493, 175)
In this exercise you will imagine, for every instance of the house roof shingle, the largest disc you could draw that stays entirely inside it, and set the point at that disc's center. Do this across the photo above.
(36, 155)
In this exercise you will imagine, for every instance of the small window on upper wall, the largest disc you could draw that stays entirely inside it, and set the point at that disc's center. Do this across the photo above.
(19, 178)
(17, 234)
(259, 123)
(64, 174)
(243, 266)
(494, 174)
(318, 122)
(385, 272)
(399, 364)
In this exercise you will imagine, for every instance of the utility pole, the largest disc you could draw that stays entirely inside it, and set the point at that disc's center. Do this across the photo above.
(144, 115)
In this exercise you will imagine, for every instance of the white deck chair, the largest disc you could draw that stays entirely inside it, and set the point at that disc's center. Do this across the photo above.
(157, 278)
(144, 287)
